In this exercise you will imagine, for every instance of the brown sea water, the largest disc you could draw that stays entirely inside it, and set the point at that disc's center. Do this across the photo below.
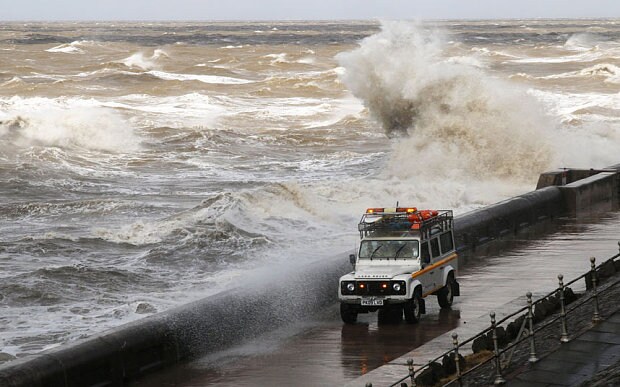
(145, 165)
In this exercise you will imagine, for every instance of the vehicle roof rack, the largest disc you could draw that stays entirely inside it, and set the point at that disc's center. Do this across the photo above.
(404, 222)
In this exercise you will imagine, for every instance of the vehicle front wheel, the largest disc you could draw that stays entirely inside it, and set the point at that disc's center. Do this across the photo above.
(348, 313)
(413, 309)
(445, 296)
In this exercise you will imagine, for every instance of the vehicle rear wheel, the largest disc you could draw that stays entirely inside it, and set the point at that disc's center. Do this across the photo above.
(413, 308)
(348, 313)
(445, 296)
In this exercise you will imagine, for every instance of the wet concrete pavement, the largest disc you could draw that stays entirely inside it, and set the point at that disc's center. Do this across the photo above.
(326, 352)
(577, 361)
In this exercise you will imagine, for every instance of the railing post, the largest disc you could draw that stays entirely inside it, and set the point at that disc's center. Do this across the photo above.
(411, 372)
(563, 330)
(530, 315)
(455, 343)
(597, 317)
(499, 379)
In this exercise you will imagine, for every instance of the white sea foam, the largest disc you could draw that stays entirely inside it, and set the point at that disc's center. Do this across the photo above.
(610, 72)
(65, 123)
(103, 71)
(207, 217)
(588, 56)
(483, 51)
(466, 60)
(75, 47)
(306, 60)
(584, 47)
(193, 109)
(67, 49)
(586, 139)
(212, 79)
(277, 58)
(140, 61)
(12, 82)
(564, 104)
(582, 42)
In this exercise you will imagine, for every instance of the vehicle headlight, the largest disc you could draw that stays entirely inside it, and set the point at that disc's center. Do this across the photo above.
(350, 286)
(396, 287)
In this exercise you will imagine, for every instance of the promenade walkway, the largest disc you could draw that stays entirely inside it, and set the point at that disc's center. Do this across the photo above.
(578, 361)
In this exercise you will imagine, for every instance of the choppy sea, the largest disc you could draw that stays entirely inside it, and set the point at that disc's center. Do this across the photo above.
(146, 165)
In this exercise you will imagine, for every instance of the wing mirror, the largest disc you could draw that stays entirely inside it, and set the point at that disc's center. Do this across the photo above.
(352, 259)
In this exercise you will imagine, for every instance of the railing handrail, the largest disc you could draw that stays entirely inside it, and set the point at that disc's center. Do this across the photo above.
(547, 323)
(507, 317)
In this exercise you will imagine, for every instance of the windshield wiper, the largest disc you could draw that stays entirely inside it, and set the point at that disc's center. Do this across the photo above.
(374, 251)
(399, 250)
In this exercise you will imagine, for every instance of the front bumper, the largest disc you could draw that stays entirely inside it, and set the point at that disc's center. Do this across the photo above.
(386, 300)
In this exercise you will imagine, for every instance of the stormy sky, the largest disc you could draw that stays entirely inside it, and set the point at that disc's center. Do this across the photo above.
(207, 10)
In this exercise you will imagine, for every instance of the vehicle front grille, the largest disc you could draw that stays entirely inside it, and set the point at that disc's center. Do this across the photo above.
(373, 288)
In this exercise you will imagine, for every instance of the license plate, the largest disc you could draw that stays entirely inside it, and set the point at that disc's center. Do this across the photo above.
(372, 301)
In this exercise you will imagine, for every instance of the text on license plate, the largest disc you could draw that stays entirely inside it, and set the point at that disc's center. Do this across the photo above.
(372, 301)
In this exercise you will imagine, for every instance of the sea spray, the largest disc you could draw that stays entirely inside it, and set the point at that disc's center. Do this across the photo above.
(460, 120)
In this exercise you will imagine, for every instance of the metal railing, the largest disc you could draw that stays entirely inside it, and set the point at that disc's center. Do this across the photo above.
(527, 329)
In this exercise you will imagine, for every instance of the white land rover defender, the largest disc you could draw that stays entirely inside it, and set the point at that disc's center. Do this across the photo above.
(404, 256)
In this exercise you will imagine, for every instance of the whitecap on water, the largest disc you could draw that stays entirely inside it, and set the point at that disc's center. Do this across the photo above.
(141, 61)
(66, 123)
(213, 79)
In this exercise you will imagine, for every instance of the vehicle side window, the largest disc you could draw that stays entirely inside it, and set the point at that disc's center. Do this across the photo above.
(446, 242)
(426, 257)
(435, 247)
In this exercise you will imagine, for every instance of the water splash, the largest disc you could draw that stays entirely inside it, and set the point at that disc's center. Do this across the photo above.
(460, 120)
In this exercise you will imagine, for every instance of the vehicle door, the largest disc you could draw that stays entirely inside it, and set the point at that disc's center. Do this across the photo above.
(426, 279)
(436, 272)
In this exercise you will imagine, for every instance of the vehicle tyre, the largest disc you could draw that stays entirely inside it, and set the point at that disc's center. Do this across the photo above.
(445, 296)
(412, 309)
(348, 313)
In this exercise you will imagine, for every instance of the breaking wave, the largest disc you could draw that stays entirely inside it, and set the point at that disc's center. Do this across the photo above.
(206, 222)
(75, 47)
(609, 72)
(458, 119)
(46, 122)
(140, 61)
(213, 79)
(582, 42)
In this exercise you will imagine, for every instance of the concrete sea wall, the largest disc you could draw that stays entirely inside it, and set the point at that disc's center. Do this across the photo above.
(126, 353)
(120, 355)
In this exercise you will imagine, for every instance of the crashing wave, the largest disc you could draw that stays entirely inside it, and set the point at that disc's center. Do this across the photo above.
(36, 121)
(458, 118)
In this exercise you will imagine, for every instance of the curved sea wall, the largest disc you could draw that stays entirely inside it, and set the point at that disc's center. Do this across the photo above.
(152, 343)
(126, 353)
(480, 226)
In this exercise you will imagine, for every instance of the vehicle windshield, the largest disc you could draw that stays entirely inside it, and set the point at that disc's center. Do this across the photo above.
(390, 249)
